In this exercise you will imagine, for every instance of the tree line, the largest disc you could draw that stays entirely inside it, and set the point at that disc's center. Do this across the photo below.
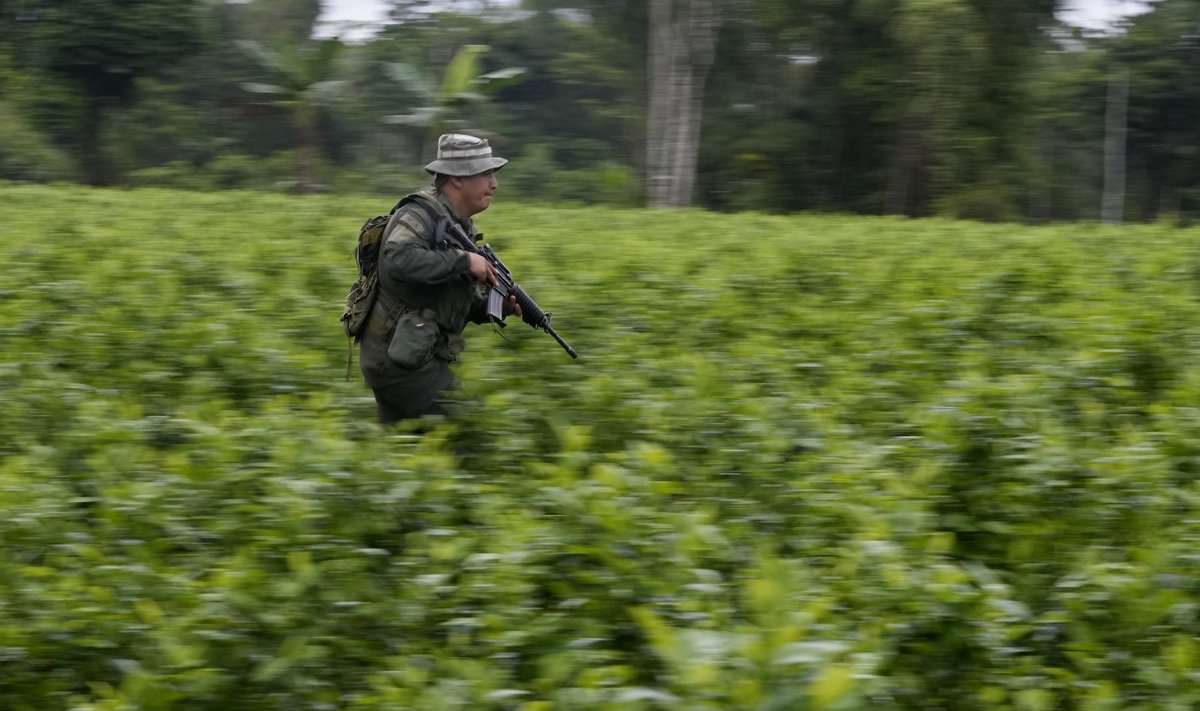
(982, 109)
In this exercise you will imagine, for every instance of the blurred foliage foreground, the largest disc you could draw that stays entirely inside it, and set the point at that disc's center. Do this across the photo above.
(803, 462)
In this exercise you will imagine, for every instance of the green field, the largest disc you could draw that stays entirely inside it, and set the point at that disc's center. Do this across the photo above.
(802, 462)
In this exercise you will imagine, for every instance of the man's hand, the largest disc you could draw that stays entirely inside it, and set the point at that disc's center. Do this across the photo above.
(481, 270)
(511, 306)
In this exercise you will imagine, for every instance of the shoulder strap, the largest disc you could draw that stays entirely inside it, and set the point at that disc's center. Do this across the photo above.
(422, 202)
(441, 223)
(414, 199)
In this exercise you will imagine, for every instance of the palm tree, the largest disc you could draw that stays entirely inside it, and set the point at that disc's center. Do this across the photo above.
(441, 107)
(302, 85)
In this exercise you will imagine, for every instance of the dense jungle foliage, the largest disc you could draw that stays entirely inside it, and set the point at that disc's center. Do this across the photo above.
(817, 462)
(983, 109)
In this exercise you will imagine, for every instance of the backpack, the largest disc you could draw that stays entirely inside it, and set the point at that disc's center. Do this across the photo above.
(361, 298)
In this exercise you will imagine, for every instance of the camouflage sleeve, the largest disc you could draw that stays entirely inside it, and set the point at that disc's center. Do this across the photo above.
(408, 255)
(479, 304)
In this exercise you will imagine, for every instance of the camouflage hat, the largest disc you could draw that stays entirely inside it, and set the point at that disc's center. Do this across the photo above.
(461, 155)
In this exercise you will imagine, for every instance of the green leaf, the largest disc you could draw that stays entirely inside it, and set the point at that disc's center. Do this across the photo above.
(463, 69)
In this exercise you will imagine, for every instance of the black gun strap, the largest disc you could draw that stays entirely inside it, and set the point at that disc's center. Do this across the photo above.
(455, 236)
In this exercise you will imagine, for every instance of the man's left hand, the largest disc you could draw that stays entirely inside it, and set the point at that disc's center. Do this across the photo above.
(511, 306)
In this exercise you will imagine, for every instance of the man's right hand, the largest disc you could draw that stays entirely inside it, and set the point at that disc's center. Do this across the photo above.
(481, 270)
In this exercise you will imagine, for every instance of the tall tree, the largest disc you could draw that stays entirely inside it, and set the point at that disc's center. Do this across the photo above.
(98, 50)
(1113, 206)
(282, 21)
(683, 35)
(888, 105)
(940, 44)
(462, 85)
(1161, 51)
(303, 81)
(585, 89)
(1066, 116)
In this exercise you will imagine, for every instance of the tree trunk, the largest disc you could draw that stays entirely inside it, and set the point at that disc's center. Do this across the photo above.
(93, 160)
(304, 119)
(1112, 206)
(682, 46)
(904, 171)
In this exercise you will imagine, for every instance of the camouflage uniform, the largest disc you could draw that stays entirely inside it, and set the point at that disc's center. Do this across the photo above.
(432, 282)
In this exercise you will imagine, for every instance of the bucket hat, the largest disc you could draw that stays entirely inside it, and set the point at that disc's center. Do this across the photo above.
(461, 155)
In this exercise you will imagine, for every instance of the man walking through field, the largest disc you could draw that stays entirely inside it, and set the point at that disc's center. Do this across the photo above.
(429, 291)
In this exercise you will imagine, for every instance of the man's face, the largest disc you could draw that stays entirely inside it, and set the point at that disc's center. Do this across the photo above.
(476, 192)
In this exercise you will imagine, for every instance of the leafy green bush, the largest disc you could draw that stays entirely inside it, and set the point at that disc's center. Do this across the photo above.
(537, 177)
(989, 203)
(24, 154)
(802, 462)
(224, 172)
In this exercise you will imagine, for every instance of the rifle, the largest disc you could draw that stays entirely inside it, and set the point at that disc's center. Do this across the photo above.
(531, 313)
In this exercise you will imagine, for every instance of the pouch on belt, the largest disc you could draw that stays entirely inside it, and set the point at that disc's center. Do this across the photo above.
(414, 339)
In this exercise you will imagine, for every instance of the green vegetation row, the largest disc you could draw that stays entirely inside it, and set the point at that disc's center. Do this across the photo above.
(802, 462)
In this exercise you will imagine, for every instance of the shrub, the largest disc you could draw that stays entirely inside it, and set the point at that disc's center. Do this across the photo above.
(25, 154)
(806, 462)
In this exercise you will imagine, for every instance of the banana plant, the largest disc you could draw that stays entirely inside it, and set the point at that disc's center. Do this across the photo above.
(302, 85)
(441, 105)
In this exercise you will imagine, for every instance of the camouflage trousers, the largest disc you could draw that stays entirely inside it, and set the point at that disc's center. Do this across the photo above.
(421, 392)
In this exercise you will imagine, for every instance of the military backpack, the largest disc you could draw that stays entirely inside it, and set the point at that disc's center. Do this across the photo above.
(361, 298)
